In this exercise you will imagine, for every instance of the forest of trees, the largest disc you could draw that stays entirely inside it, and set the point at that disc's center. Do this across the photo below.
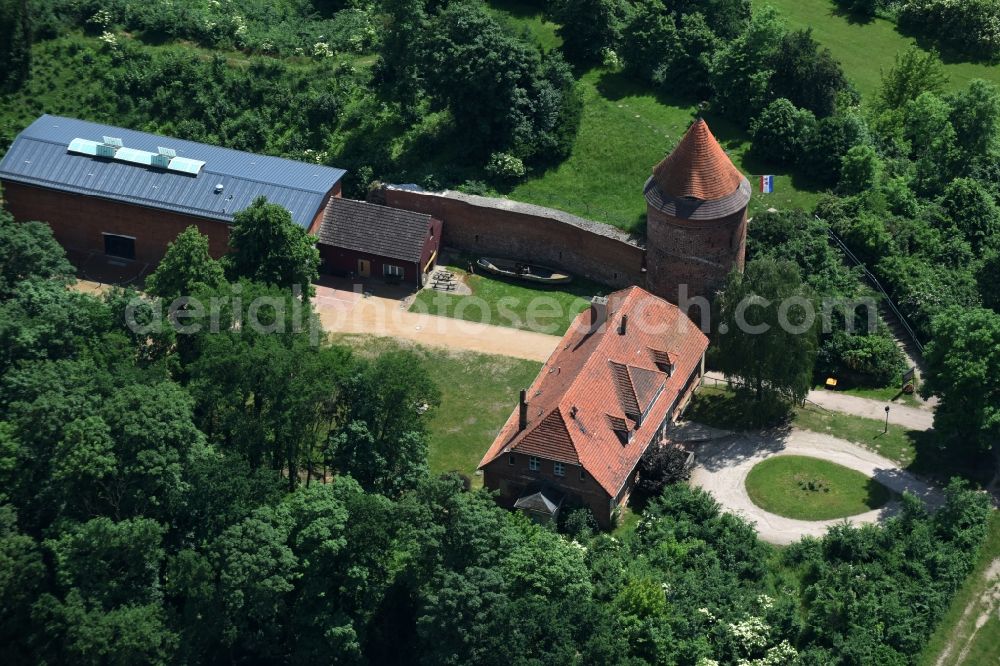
(182, 492)
(171, 495)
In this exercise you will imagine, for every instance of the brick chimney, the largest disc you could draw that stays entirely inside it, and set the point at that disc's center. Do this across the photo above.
(598, 312)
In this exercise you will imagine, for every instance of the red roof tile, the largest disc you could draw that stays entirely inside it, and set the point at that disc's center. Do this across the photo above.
(698, 167)
(594, 379)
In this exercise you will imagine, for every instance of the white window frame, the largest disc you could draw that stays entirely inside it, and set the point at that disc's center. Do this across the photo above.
(534, 463)
(391, 270)
(559, 469)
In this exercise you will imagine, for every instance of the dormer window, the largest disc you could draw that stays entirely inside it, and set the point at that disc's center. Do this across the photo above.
(621, 429)
(663, 361)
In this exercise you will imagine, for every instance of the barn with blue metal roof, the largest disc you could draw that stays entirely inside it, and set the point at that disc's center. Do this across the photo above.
(111, 190)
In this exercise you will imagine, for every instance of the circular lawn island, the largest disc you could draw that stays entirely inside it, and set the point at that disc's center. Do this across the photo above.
(807, 488)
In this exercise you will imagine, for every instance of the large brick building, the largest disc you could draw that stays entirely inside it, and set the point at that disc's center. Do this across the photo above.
(123, 193)
(622, 373)
(120, 193)
(696, 218)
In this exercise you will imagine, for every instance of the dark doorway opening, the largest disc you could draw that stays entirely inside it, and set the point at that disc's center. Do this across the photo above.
(119, 246)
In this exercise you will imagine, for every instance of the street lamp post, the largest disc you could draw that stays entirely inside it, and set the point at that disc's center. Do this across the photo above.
(886, 431)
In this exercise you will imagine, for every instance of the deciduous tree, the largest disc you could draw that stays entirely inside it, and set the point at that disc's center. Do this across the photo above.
(963, 360)
(186, 267)
(28, 250)
(914, 72)
(588, 27)
(974, 212)
(15, 42)
(268, 247)
(779, 134)
(770, 339)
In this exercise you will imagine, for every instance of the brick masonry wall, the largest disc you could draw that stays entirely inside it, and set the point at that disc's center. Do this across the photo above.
(341, 262)
(699, 254)
(509, 229)
(78, 222)
(513, 480)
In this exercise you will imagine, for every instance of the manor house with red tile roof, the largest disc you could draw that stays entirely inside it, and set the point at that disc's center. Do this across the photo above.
(620, 376)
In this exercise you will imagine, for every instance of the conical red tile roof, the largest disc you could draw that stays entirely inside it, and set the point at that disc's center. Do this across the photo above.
(697, 168)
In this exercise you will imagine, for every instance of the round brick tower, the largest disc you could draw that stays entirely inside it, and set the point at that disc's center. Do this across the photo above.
(696, 226)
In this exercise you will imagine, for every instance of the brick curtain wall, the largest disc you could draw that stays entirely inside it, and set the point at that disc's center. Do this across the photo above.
(506, 229)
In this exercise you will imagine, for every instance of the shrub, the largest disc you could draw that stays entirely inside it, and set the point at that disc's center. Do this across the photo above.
(577, 523)
(505, 168)
(969, 27)
(826, 147)
(874, 360)
(860, 170)
(660, 467)
(779, 133)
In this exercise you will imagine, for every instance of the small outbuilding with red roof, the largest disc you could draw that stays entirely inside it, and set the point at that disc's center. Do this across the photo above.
(621, 375)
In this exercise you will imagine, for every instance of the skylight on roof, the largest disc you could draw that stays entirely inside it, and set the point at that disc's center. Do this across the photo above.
(83, 146)
(134, 156)
(111, 147)
(186, 165)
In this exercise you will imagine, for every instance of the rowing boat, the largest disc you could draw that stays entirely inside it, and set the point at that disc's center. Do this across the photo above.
(518, 270)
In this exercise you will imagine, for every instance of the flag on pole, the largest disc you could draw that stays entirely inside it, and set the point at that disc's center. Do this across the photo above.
(767, 184)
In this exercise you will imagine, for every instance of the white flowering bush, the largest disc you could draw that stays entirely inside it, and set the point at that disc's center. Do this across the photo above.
(504, 167)
(610, 58)
(109, 39)
(779, 655)
(101, 20)
(321, 50)
(751, 633)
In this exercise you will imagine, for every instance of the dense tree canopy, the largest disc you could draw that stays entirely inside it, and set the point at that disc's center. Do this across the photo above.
(768, 330)
(267, 246)
(15, 42)
(164, 503)
(502, 94)
(964, 371)
(186, 267)
(28, 250)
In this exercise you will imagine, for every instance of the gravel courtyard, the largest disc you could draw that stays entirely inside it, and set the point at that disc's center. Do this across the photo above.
(724, 461)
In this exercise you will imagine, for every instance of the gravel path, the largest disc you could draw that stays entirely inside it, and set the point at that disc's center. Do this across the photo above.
(915, 418)
(345, 312)
(723, 465)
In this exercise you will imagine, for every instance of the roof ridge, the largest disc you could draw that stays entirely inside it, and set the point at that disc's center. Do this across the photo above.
(364, 202)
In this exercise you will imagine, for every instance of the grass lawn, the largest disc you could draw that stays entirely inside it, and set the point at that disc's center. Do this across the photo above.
(865, 49)
(525, 18)
(917, 451)
(625, 131)
(503, 303)
(812, 489)
(478, 392)
(957, 626)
